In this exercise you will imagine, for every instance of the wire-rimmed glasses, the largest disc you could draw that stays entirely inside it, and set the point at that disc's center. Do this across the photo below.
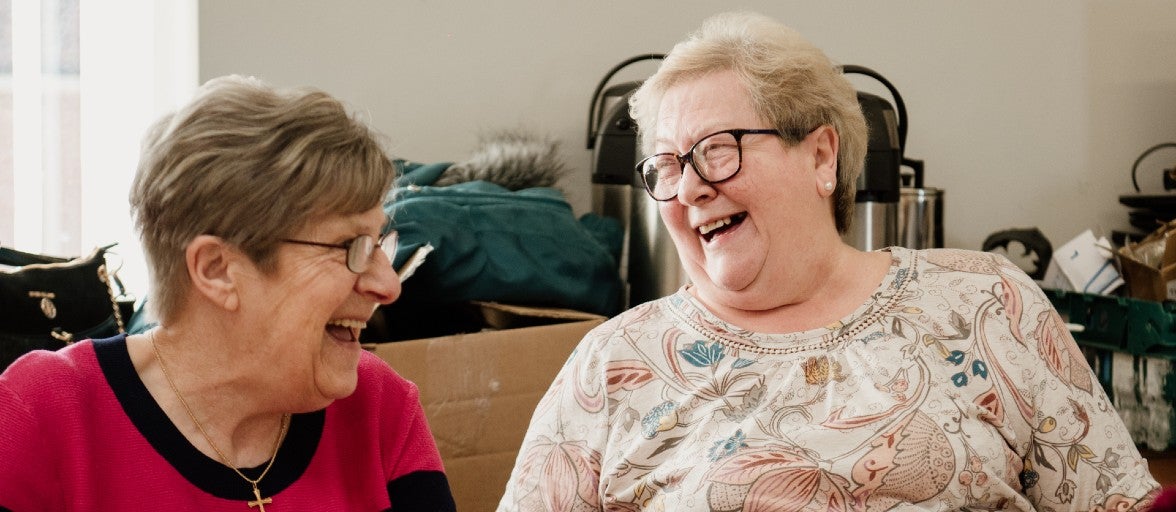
(359, 249)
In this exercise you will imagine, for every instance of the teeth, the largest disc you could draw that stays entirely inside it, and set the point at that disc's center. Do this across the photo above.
(355, 326)
(350, 324)
(707, 228)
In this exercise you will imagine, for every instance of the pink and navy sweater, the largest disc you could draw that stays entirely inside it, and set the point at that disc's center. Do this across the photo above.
(80, 432)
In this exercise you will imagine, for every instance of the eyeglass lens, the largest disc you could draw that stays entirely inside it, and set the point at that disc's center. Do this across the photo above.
(388, 243)
(715, 158)
(359, 252)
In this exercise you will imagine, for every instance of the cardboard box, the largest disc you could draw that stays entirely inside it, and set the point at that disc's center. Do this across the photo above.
(480, 389)
(1149, 266)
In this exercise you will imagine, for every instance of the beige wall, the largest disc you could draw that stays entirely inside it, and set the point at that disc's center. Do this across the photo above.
(1028, 114)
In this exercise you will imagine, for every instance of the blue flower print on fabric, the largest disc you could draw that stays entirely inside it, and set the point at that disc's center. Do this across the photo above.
(727, 447)
(742, 363)
(660, 419)
(702, 355)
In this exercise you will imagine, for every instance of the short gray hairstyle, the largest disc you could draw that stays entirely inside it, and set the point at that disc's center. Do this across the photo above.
(251, 164)
(792, 83)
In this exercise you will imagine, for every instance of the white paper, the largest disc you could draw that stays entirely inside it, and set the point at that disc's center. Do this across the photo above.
(1087, 265)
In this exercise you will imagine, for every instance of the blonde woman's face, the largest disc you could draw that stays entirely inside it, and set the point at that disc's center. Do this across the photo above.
(737, 238)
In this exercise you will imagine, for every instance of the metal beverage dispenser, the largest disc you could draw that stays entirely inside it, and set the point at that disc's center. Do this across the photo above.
(887, 211)
(649, 261)
(875, 212)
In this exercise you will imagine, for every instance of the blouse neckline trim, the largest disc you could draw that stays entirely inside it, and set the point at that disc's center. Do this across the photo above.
(883, 300)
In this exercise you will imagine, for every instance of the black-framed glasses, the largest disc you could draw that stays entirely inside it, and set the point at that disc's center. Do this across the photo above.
(716, 158)
(359, 249)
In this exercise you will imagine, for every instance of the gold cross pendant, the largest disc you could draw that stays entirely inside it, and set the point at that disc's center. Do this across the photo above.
(259, 502)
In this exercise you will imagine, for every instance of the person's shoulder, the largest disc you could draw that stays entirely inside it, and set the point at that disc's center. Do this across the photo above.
(44, 369)
(969, 261)
(611, 329)
(378, 389)
(954, 255)
(40, 378)
(375, 375)
(642, 313)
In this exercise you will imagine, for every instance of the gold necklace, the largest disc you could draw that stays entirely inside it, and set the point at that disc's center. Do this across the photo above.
(258, 501)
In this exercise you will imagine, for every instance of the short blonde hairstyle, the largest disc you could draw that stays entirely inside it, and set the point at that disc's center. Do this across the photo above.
(792, 83)
(251, 164)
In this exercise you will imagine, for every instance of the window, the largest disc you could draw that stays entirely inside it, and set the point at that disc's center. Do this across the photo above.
(80, 82)
(41, 74)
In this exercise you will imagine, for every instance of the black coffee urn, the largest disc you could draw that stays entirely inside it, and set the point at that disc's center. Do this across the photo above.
(649, 263)
(888, 212)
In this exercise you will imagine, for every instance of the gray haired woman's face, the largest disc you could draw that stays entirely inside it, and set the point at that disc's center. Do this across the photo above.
(314, 306)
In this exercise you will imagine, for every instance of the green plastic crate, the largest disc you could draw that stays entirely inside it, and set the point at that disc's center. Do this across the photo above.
(1131, 346)
(1133, 326)
(1103, 319)
(1151, 329)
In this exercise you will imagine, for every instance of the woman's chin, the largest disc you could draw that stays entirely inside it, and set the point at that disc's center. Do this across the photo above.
(339, 368)
(338, 387)
(726, 277)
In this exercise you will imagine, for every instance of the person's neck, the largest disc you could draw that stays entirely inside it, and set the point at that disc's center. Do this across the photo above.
(222, 394)
(831, 286)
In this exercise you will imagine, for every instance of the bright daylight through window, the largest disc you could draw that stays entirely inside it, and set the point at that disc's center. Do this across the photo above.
(80, 82)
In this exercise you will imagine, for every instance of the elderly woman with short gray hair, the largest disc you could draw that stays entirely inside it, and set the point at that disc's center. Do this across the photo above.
(261, 214)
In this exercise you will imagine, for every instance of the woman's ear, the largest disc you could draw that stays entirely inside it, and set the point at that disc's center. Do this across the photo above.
(211, 263)
(825, 145)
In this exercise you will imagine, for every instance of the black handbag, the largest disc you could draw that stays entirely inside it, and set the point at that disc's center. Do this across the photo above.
(48, 302)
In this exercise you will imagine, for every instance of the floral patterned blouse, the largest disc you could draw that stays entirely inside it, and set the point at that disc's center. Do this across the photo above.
(955, 386)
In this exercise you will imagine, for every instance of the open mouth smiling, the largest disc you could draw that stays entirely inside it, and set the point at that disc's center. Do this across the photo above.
(716, 227)
(345, 329)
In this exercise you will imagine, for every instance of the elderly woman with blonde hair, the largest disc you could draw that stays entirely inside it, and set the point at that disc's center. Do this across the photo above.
(795, 372)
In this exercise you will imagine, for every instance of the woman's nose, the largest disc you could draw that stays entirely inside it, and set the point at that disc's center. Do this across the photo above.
(692, 189)
(379, 281)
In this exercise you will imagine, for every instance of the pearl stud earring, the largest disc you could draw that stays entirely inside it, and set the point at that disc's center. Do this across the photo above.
(828, 185)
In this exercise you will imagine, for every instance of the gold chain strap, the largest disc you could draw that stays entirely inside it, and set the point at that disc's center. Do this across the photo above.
(102, 274)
